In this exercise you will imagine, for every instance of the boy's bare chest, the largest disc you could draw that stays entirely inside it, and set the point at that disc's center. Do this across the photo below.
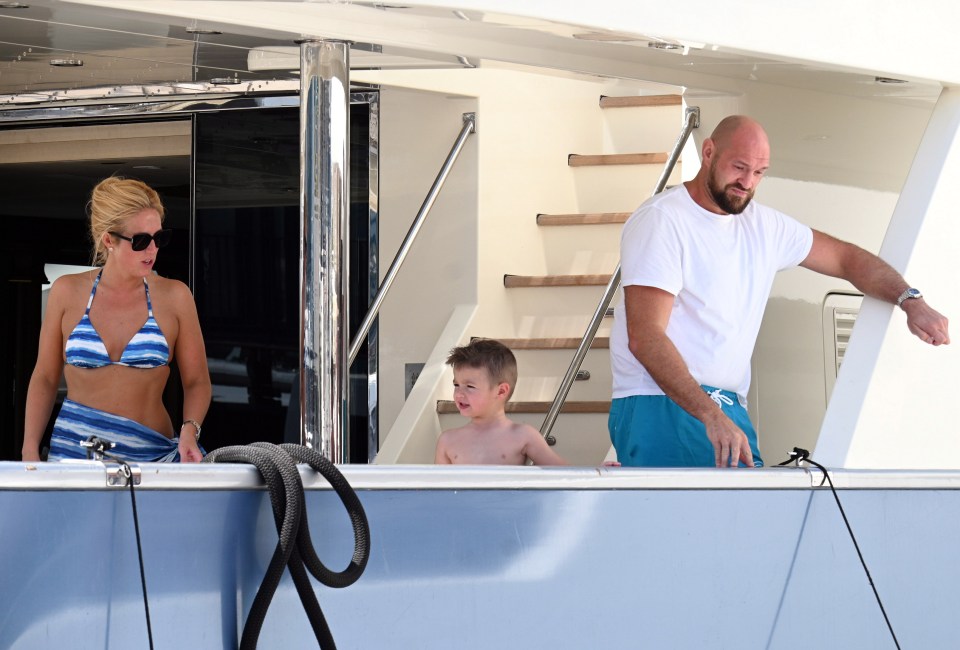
(491, 448)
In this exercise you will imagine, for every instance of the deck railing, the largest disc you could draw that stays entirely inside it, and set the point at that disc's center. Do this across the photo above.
(691, 121)
(469, 126)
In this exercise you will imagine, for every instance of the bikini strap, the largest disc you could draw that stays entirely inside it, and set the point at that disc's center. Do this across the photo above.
(149, 304)
(93, 292)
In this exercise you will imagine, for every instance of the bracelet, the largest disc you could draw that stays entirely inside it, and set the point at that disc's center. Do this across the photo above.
(196, 425)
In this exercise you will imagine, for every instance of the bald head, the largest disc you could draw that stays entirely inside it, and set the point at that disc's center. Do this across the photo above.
(743, 133)
(735, 158)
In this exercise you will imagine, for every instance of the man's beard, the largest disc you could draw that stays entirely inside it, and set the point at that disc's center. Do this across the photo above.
(729, 204)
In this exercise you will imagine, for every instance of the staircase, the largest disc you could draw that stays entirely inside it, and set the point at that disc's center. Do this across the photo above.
(562, 303)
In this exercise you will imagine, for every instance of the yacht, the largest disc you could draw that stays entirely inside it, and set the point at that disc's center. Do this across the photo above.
(357, 187)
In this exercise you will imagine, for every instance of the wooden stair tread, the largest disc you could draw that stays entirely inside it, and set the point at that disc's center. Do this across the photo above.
(592, 160)
(445, 407)
(584, 219)
(607, 101)
(562, 343)
(517, 281)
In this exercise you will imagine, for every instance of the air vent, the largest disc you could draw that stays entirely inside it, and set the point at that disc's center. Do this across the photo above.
(843, 320)
(840, 311)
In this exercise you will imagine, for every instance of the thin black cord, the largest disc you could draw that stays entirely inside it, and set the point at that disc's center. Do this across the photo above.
(136, 526)
(804, 455)
(97, 449)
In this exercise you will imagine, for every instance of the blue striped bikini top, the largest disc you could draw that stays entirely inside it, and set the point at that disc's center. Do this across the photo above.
(147, 349)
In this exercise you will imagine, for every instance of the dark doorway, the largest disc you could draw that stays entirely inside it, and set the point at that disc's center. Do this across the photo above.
(247, 283)
(236, 245)
(44, 209)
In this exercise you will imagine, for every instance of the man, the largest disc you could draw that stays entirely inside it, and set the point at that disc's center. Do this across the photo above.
(698, 262)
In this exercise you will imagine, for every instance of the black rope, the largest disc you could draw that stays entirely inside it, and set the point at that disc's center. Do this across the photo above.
(799, 455)
(128, 474)
(98, 448)
(294, 547)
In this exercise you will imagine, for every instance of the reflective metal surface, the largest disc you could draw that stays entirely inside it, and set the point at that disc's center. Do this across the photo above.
(324, 137)
(134, 53)
(373, 274)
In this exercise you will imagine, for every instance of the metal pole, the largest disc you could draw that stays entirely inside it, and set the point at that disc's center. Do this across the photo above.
(324, 186)
(691, 122)
(469, 126)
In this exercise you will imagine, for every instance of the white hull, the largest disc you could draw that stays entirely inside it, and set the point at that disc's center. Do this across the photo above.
(489, 558)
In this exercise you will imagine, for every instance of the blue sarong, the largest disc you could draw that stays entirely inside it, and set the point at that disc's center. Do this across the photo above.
(653, 431)
(134, 442)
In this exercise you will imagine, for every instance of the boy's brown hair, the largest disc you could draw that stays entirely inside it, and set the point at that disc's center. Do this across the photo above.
(491, 355)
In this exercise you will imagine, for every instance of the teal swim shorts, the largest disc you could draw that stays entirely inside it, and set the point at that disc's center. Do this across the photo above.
(652, 431)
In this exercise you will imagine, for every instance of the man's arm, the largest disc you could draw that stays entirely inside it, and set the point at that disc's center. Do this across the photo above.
(648, 311)
(877, 279)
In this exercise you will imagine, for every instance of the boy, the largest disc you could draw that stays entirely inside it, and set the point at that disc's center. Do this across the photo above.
(484, 375)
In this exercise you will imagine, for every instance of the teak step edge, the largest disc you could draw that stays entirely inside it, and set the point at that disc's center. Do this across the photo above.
(445, 407)
(517, 281)
(582, 219)
(594, 160)
(567, 343)
(607, 101)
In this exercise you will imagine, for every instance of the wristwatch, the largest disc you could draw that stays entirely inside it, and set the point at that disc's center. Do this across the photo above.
(907, 295)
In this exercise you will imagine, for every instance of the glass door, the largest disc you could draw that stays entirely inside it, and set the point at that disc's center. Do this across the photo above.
(247, 272)
(230, 182)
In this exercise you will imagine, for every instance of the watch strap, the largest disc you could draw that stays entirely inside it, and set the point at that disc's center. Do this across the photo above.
(908, 294)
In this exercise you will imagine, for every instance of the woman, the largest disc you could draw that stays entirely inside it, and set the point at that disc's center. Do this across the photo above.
(113, 332)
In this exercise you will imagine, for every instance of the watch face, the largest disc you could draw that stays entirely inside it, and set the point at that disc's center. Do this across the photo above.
(913, 293)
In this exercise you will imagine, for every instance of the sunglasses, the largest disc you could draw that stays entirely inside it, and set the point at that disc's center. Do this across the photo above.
(141, 240)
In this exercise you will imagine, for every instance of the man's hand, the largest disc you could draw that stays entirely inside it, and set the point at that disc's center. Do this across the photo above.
(729, 442)
(926, 323)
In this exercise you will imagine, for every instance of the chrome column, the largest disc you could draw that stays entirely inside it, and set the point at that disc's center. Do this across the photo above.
(324, 202)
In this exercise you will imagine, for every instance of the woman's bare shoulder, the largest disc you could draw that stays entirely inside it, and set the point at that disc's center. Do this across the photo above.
(71, 285)
(84, 278)
(168, 288)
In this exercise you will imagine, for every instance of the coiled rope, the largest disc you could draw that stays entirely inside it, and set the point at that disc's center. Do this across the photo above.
(278, 466)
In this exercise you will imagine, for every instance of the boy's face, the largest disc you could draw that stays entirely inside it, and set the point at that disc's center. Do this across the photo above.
(475, 393)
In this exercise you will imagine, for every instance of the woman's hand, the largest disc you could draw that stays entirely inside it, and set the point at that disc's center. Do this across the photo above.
(188, 447)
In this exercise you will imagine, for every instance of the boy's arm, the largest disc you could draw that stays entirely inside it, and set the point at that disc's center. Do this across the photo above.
(440, 456)
(539, 451)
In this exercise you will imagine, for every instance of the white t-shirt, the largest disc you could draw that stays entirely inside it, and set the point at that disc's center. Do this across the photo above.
(720, 268)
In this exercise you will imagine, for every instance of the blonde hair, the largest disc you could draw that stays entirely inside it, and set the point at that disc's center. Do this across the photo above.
(112, 202)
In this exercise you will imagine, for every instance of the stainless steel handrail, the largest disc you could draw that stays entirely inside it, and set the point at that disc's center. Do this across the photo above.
(691, 121)
(469, 126)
